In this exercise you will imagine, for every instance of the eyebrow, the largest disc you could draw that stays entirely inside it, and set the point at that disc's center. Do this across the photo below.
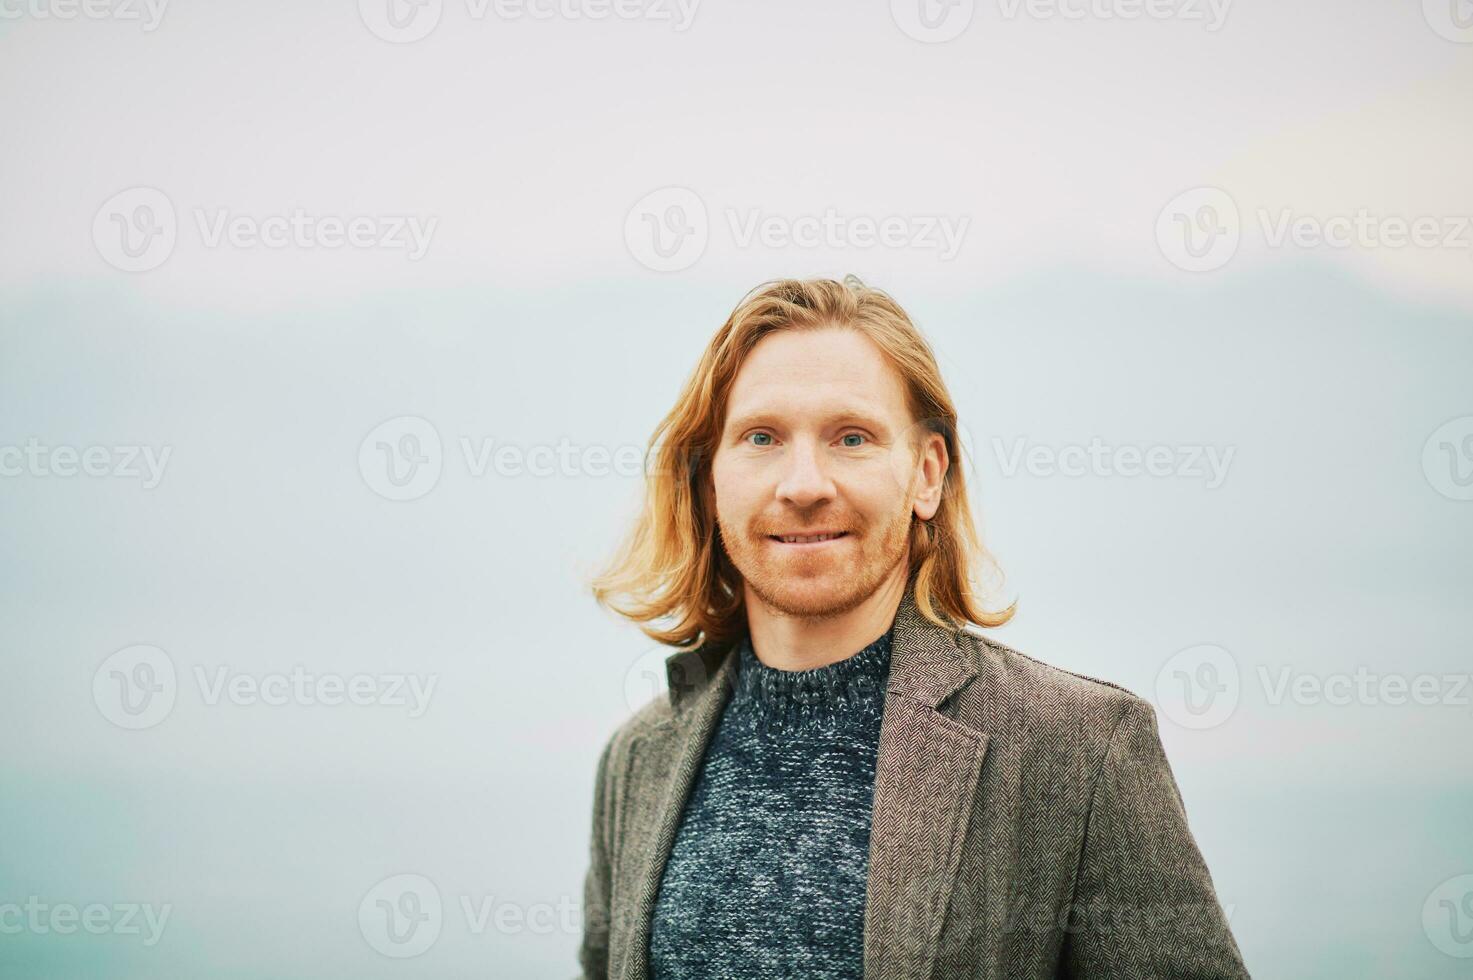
(837, 418)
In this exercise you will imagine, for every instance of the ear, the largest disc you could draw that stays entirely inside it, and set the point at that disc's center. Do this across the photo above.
(933, 464)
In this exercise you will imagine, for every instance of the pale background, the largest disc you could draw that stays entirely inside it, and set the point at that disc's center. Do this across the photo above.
(1334, 542)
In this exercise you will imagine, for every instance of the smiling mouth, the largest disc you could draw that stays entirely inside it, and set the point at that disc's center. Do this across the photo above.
(818, 538)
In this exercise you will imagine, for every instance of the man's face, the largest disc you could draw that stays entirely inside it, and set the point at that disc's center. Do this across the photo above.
(818, 438)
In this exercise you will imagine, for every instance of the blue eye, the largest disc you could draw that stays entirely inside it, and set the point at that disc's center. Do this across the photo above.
(853, 435)
(762, 435)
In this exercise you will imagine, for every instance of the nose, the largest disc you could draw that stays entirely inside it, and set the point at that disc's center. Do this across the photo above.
(804, 480)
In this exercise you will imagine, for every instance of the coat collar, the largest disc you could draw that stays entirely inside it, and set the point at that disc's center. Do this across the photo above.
(927, 770)
(927, 663)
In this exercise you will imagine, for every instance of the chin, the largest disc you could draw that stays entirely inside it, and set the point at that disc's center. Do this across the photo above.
(799, 596)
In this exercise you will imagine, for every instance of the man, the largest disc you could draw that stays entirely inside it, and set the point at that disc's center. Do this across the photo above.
(845, 779)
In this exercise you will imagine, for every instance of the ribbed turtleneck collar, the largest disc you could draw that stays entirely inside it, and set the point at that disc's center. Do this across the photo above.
(846, 692)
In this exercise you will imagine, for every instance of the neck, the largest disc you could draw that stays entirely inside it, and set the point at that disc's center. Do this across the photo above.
(805, 642)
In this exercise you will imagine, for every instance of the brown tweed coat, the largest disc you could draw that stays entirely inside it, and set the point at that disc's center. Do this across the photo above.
(1026, 823)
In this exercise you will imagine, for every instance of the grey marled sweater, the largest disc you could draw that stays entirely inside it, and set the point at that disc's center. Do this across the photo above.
(766, 878)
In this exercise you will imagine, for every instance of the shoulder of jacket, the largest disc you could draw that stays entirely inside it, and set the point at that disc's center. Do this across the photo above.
(1050, 694)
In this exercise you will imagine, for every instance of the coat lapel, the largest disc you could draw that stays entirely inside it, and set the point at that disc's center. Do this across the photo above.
(926, 773)
(668, 758)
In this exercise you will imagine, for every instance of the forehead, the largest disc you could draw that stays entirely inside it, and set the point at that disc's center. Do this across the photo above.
(823, 371)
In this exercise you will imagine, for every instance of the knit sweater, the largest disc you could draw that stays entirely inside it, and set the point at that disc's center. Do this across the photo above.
(767, 875)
